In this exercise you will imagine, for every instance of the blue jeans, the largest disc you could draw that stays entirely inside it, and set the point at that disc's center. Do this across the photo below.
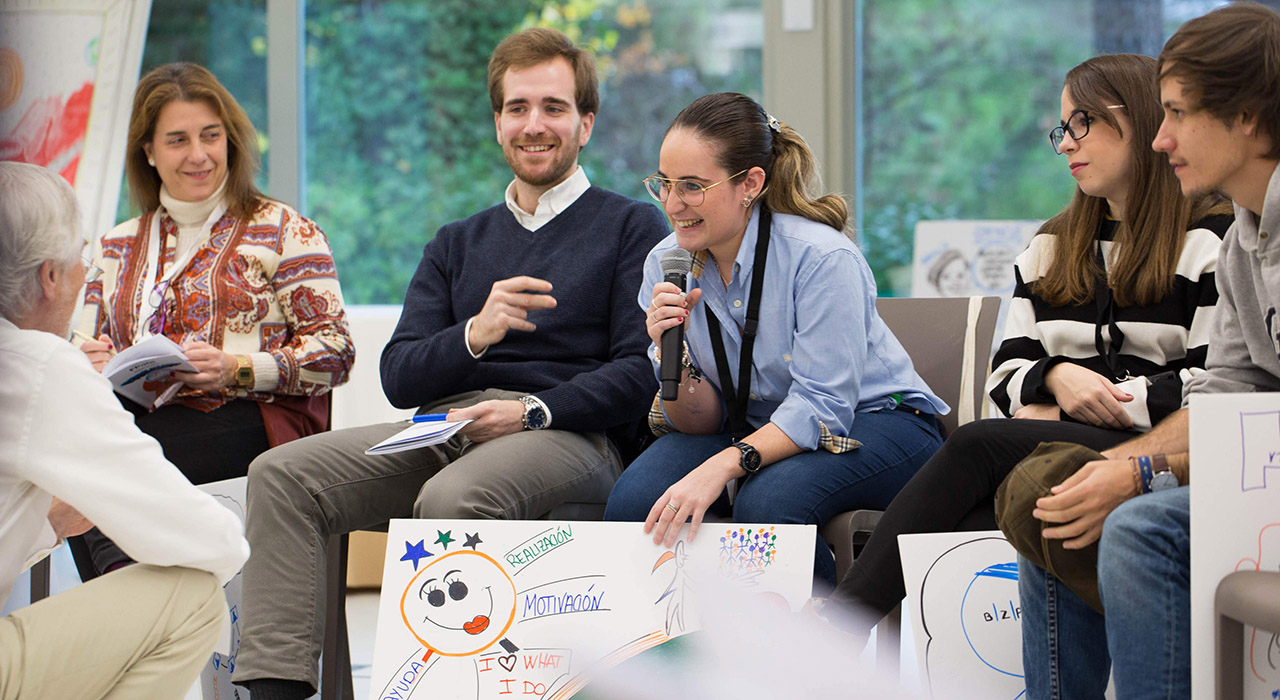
(808, 488)
(1144, 578)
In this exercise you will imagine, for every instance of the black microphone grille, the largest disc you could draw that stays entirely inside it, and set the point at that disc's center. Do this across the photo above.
(678, 261)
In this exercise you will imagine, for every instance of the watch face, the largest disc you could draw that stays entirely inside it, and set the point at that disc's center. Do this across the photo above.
(534, 417)
(1164, 480)
(750, 460)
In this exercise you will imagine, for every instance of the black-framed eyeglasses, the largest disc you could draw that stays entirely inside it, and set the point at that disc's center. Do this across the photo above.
(690, 192)
(1077, 125)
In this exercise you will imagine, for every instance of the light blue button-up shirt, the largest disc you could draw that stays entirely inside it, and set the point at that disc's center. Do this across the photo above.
(822, 354)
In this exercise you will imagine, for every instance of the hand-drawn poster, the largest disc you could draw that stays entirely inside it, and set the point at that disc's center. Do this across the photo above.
(491, 609)
(67, 73)
(962, 592)
(215, 679)
(1235, 462)
(967, 258)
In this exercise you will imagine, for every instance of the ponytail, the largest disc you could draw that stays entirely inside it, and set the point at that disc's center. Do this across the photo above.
(793, 183)
(748, 137)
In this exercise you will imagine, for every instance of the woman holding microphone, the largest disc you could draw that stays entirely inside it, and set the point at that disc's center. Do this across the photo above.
(831, 416)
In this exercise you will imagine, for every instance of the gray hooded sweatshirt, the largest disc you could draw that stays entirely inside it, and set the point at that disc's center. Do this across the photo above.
(1244, 353)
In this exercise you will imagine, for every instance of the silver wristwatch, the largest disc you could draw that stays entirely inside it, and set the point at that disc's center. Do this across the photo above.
(535, 416)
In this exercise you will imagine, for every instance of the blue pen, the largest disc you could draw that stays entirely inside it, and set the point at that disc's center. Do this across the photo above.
(429, 417)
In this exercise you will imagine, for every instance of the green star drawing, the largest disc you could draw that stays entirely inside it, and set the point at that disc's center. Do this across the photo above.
(444, 538)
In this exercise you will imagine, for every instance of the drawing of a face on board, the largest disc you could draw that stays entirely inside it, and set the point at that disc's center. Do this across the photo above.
(459, 604)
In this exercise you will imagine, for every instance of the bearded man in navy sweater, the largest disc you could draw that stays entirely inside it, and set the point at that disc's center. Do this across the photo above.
(521, 318)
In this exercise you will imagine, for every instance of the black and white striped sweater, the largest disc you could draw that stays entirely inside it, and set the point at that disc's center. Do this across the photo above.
(1166, 342)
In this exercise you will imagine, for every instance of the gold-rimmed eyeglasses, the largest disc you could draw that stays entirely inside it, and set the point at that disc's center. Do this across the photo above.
(690, 192)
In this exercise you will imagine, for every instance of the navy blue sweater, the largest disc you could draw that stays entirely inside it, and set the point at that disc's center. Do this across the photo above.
(586, 360)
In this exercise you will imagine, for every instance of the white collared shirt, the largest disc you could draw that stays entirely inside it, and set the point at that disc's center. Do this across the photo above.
(552, 202)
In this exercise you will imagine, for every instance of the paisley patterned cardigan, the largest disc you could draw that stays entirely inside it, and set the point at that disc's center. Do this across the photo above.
(266, 287)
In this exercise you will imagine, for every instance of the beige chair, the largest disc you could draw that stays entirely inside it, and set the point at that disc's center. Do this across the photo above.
(949, 341)
(1243, 597)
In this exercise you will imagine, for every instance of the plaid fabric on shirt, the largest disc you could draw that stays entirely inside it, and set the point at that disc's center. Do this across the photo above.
(658, 420)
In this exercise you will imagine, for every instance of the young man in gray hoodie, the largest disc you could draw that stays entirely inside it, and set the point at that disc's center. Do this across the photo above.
(1219, 76)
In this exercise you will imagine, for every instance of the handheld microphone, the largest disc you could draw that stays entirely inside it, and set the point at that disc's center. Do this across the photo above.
(676, 264)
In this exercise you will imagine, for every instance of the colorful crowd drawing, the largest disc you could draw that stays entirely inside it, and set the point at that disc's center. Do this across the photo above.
(535, 609)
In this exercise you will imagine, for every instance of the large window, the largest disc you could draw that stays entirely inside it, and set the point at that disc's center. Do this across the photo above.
(957, 97)
(400, 135)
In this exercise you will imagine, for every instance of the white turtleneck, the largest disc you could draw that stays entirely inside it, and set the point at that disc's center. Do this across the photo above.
(189, 216)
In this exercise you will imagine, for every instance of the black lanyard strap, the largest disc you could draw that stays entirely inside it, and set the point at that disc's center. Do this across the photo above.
(736, 400)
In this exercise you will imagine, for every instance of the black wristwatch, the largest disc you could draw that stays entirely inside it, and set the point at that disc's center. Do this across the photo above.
(535, 417)
(750, 459)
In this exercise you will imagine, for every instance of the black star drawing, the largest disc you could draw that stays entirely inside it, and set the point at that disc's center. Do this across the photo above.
(472, 540)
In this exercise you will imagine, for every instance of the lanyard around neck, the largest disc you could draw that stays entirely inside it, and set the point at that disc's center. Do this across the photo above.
(736, 400)
(152, 279)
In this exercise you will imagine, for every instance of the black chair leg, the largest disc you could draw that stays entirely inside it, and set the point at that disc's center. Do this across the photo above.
(40, 574)
(335, 658)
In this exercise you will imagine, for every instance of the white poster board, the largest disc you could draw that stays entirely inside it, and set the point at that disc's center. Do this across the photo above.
(1235, 525)
(962, 593)
(215, 679)
(68, 69)
(492, 609)
(967, 258)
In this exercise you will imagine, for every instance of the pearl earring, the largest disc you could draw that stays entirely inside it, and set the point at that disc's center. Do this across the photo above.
(151, 162)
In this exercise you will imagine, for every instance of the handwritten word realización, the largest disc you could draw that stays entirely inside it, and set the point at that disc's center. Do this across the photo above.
(537, 546)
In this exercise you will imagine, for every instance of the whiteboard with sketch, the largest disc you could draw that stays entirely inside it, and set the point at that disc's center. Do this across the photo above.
(962, 594)
(1235, 525)
(490, 609)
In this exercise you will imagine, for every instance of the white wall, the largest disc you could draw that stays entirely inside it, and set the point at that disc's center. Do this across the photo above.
(360, 401)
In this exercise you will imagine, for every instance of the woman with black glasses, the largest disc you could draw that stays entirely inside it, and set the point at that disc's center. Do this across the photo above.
(829, 414)
(1110, 314)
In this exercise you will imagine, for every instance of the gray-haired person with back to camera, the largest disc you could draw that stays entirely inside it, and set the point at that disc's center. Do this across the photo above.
(73, 459)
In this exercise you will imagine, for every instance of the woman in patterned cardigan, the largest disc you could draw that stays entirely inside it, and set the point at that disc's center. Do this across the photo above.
(246, 285)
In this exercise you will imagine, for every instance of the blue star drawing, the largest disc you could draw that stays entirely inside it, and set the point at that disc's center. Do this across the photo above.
(415, 552)
(1276, 694)
(444, 538)
(472, 540)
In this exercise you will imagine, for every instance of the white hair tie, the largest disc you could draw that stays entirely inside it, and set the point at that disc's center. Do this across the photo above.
(773, 123)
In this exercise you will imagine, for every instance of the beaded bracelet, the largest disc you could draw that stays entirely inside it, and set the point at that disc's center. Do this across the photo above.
(686, 362)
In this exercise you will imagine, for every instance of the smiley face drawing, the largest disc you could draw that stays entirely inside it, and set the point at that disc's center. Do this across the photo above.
(460, 604)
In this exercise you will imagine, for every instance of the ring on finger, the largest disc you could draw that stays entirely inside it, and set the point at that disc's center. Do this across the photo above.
(673, 507)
